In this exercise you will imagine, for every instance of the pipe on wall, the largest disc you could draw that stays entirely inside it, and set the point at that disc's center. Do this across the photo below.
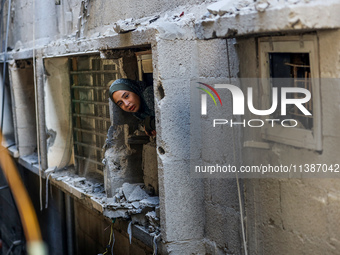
(41, 110)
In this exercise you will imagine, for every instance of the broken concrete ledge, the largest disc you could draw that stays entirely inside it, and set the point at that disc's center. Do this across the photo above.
(94, 203)
(72, 47)
(300, 17)
(30, 162)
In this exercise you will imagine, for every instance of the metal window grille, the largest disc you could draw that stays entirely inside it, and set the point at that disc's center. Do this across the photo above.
(90, 79)
(296, 67)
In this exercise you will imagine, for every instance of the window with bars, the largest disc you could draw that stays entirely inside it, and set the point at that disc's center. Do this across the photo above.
(90, 82)
(292, 69)
(292, 61)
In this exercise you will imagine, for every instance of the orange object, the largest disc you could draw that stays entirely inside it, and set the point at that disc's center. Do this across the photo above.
(27, 213)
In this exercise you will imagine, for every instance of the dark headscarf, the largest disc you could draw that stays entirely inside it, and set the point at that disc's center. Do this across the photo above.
(129, 85)
(139, 88)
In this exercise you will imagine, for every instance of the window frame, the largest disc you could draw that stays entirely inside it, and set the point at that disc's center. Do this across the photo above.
(80, 116)
(308, 139)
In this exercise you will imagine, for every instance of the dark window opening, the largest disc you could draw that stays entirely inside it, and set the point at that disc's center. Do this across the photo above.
(7, 125)
(292, 70)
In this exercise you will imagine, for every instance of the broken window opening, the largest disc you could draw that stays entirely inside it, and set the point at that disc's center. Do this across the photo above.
(90, 78)
(292, 70)
(24, 117)
(7, 113)
(132, 154)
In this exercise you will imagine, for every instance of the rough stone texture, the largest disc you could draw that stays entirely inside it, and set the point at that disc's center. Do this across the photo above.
(178, 224)
(123, 164)
(250, 22)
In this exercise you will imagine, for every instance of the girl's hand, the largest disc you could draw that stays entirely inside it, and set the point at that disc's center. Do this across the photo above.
(152, 133)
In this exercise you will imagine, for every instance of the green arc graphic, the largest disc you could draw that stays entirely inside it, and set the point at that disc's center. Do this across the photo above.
(208, 94)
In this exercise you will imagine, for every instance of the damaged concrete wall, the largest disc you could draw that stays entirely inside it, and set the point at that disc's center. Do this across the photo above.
(191, 208)
(85, 19)
(59, 117)
(295, 216)
(22, 85)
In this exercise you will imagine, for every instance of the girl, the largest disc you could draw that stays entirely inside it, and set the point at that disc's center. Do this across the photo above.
(135, 97)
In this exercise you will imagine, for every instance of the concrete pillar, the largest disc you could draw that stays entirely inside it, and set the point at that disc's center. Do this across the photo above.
(181, 196)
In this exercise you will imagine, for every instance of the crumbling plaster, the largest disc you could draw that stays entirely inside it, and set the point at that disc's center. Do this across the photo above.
(276, 16)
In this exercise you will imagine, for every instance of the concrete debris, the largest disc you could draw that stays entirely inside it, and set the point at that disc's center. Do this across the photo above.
(137, 195)
(79, 182)
(127, 189)
(153, 221)
(128, 25)
(116, 213)
(124, 26)
(138, 205)
(206, 16)
(228, 6)
(232, 7)
(135, 204)
(98, 188)
(139, 219)
(131, 201)
(154, 19)
(150, 201)
(261, 6)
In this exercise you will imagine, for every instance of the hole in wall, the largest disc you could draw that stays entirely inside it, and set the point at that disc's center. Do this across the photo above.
(161, 150)
(160, 90)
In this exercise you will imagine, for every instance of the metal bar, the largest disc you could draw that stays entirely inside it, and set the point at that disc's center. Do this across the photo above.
(90, 160)
(89, 132)
(89, 87)
(90, 117)
(4, 187)
(88, 146)
(89, 102)
(76, 107)
(94, 72)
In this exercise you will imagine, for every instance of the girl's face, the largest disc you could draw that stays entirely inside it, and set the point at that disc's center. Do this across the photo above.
(127, 100)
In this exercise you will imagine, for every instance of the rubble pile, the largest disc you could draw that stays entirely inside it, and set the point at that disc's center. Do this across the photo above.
(131, 201)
